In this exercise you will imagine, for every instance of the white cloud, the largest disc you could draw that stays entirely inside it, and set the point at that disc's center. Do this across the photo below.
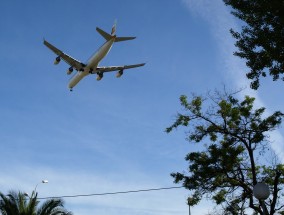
(220, 20)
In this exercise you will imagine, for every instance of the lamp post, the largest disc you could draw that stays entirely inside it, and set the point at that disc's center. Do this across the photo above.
(34, 191)
(43, 182)
(188, 202)
(261, 192)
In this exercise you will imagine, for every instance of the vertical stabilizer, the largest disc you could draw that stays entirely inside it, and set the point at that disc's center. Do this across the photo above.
(113, 29)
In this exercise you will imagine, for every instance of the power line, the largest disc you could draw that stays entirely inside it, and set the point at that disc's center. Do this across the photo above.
(111, 193)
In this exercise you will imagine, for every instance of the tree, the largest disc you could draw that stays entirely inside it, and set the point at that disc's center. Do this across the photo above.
(19, 204)
(235, 135)
(261, 41)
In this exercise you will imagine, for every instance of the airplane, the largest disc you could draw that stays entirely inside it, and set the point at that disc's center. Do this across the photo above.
(92, 65)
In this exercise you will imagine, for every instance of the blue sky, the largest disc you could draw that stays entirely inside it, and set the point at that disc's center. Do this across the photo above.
(109, 136)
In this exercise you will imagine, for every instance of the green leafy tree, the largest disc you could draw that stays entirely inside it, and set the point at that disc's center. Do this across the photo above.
(235, 137)
(16, 203)
(261, 41)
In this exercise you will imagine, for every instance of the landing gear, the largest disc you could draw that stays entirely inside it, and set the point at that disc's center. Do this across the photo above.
(100, 75)
(71, 89)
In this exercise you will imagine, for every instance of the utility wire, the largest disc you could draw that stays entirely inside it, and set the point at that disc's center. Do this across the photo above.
(112, 193)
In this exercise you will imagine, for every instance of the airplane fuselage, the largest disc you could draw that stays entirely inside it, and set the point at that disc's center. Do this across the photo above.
(92, 63)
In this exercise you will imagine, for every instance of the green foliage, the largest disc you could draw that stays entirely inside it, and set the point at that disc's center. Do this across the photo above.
(194, 106)
(235, 133)
(261, 41)
(220, 196)
(194, 199)
(19, 204)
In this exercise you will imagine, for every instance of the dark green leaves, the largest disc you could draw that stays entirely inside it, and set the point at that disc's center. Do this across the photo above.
(232, 132)
(261, 41)
(16, 203)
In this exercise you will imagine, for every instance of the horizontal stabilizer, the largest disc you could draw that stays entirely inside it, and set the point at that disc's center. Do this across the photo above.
(104, 34)
(119, 39)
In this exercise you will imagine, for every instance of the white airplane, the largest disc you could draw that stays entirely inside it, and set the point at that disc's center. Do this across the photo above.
(91, 66)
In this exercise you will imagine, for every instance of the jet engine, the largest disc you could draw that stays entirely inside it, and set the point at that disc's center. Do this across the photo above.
(100, 75)
(119, 73)
(57, 60)
(70, 70)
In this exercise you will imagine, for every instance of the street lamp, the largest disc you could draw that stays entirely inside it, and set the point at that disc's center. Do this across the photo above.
(34, 191)
(188, 202)
(43, 182)
(261, 192)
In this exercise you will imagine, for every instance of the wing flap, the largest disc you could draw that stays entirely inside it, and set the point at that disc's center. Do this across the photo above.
(68, 59)
(116, 68)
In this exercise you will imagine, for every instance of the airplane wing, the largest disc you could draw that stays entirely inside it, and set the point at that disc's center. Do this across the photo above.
(68, 59)
(116, 68)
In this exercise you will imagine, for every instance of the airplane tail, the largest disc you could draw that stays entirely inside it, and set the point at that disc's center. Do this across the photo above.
(108, 36)
(113, 29)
